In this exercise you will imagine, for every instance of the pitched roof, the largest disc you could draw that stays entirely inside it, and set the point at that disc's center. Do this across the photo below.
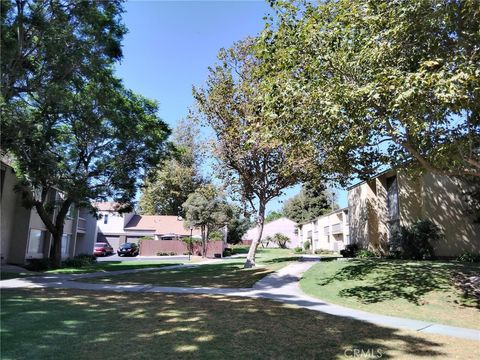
(161, 224)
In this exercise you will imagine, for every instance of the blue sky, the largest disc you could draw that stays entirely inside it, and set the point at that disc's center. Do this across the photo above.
(170, 45)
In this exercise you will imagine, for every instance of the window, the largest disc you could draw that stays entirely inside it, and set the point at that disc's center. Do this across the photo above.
(105, 219)
(309, 234)
(66, 243)
(36, 241)
(392, 198)
(315, 226)
(70, 212)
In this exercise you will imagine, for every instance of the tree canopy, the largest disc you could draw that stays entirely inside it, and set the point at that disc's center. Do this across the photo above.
(169, 185)
(255, 166)
(68, 123)
(310, 203)
(207, 209)
(372, 83)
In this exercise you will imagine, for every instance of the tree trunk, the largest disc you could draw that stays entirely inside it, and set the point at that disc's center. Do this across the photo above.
(56, 254)
(250, 262)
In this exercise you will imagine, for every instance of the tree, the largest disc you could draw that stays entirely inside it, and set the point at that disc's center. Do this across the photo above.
(169, 185)
(273, 215)
(376, 83)
(309, 204)
(237, 226)
(256, 167)
(266, 240)
(207, 209)
(69, 124)
(281, 240)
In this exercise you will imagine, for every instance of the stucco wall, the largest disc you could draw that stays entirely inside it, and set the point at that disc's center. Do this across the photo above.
(434, 197)
(440, 199)
(283, 226)
(153, 247)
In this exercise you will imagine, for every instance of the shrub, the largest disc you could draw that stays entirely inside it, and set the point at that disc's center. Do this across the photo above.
(469, 257)
(415, 241)
(146, 238)
(281, 240)
(227, 252)
(364, 254)
(39, 264)
(162, 254)
(298, 250)
(323, 252)
(306, 245)
(80, 261)
(173, 253)
(350, 251)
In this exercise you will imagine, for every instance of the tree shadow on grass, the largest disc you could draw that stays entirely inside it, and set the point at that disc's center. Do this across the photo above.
(66, 324)
(223, 275)
(395, 279)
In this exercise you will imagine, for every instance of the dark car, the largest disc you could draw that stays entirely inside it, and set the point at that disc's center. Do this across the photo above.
(128, 249)
(102, 249)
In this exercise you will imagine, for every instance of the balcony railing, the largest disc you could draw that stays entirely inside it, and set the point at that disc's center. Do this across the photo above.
(82, 224)
(337, 228)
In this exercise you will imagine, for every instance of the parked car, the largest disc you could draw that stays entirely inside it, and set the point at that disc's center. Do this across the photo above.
(102, 249)
(128, 249)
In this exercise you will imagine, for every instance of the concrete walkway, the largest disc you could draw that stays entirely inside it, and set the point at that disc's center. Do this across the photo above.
(282, 286)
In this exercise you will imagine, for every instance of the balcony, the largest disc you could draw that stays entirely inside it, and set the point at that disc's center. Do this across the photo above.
(82, 224)
(337, 228)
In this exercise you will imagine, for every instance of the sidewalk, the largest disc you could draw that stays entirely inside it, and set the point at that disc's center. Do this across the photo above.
(281, 286)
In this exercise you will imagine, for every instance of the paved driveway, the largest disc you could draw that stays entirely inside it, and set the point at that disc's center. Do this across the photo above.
(115, 257)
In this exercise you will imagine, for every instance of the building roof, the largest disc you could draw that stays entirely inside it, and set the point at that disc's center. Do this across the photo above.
(321, 216)
(161, 224)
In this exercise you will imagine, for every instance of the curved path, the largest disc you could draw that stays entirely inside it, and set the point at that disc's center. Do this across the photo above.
(281, 286)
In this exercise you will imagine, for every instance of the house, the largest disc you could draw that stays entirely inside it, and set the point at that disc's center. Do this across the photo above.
(23, 235)
(327, 232)
(283, 226)
(394, 198)
(116, 228)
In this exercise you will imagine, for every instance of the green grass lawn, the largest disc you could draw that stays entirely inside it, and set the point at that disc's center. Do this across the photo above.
(420, 290)
(227, 274)
(15, 275)
(73, 324)
(106, 266)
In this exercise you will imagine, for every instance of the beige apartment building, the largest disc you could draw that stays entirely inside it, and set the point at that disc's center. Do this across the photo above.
(392, 199)
(23, 236)
(327, 232)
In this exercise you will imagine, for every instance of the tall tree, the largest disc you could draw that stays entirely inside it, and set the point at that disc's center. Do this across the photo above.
(309, 203)
(207, 209)
(169, 185)
(377, 82)
(68, 123)
(255, 165)
(273, 215)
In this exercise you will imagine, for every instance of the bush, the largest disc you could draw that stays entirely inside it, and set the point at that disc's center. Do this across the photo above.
(39, 264)
(364, 254)
(350, 251)
(80, 261)
(173, 253)
(162, 254)
(306, 245)
(281, 240)
(298, 250)
(323, 252)
(414, 242)
(227, 252)
(469, 257)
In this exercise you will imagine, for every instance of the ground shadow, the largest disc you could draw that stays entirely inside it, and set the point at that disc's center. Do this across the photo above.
(68, 324)
(394, 279)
